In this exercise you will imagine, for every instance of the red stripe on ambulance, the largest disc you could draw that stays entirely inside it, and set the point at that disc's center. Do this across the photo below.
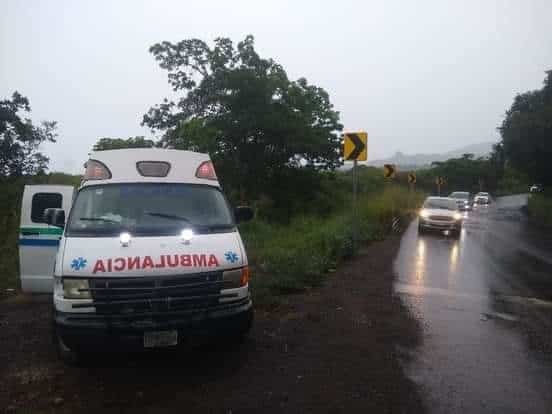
(121, 264)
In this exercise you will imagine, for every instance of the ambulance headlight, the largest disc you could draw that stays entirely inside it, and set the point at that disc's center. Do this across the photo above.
(187, 235)
(457, 216)
(236, 278)
(76, 289)
(125, 238)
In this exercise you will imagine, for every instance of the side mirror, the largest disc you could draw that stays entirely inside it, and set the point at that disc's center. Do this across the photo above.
(48, 215)
(243, 213)
(55, 217)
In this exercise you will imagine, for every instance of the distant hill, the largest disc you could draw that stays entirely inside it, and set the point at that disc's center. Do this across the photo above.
(421, 160)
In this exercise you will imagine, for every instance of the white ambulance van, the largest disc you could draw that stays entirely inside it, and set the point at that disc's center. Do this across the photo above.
(145, 254)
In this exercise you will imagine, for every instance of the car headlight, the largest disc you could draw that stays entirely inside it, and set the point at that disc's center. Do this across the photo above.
(424, 213)
(236, 278)
(457, 216)
(76, 289)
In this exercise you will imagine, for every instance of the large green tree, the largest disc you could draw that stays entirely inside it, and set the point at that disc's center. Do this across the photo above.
(20, 139)
(465, 173)
(119, 143)
(258, 125)
(527, 133)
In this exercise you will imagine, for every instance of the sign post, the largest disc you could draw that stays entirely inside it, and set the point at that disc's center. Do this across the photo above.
(412, 186)
(389, 172)
(439, 181)
(355, 148)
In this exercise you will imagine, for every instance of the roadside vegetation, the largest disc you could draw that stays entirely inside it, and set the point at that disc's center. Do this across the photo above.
(539, 209)
(299, 255)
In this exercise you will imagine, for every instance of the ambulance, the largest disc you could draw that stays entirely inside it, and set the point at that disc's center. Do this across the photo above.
(145, 254)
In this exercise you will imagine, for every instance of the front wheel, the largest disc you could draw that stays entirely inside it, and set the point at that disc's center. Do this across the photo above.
(457, 232)
(421, 229)
(66, 354)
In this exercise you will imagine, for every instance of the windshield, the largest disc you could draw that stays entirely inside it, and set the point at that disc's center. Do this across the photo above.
(440, 203)
(148, 210)
(461, 195)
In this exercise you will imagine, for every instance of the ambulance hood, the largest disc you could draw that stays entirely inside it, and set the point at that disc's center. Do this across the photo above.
(146, 256)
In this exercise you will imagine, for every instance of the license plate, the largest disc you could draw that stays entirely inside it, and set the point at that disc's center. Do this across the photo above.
(156, 339)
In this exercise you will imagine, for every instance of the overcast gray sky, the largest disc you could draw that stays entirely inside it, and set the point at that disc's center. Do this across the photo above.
(419, 76)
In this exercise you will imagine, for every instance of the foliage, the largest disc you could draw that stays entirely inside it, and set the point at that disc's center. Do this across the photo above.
(527, 133)
(539, 208)
(463, 174)
(120, 143)
(20, 139)
(512, 182)
(298, 256)
(242, 109)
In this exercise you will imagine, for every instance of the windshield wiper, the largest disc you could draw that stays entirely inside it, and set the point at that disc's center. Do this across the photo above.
(168, 216)
(99, 219)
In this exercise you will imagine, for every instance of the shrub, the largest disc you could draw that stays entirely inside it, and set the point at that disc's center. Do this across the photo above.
(539, 208)
(297, 256)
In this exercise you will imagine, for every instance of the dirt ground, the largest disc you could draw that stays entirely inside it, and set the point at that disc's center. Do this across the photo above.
(338, 348)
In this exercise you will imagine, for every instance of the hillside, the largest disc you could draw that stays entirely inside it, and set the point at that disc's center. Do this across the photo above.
(421, 160)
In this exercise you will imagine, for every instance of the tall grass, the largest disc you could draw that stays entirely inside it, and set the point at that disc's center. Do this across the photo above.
(298, 256)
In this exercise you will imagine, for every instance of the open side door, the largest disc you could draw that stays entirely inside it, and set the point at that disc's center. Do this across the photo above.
(38, 241)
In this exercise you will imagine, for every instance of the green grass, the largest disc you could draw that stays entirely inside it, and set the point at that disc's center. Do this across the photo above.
(298, 256)
(539, 208)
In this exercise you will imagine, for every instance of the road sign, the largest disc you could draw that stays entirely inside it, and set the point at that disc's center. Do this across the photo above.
(389, 170)
(355, 146)
(439, 181)
(412, 178)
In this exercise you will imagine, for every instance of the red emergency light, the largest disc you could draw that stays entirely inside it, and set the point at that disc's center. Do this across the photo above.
(206, 170)
(95, 170)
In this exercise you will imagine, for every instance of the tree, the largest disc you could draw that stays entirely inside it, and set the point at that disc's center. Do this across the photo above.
(466, 173)
(527, 133)
(119, 143)
(20, 139)
(245, 112)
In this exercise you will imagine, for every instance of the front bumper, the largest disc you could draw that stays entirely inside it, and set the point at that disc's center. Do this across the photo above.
(90, 332)
(440, 225)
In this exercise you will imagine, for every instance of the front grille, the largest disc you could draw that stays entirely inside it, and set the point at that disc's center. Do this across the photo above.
(157, 294)
(441, 218)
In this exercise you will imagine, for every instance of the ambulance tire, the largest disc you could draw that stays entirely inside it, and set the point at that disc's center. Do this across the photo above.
(66, 354)
(242, 335)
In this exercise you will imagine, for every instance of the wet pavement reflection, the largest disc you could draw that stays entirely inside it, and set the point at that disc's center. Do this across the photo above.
(485, 305)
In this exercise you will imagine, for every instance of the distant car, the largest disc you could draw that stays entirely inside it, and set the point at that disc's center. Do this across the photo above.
(482, 198)
(536, 188)
(463, 200)
(440, 213)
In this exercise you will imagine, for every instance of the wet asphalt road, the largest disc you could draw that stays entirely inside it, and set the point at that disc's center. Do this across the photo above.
(485, 305)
